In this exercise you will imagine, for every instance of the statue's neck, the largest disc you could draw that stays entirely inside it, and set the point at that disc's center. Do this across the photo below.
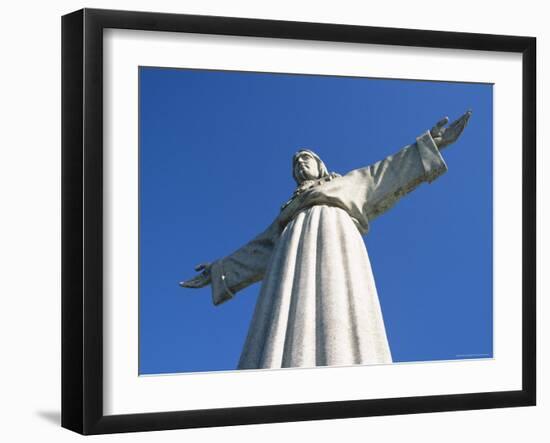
(308, 184)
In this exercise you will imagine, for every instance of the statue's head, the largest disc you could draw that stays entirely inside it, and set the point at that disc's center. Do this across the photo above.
(306, 165)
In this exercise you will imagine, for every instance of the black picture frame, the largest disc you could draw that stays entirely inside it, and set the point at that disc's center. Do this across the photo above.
(82, 220)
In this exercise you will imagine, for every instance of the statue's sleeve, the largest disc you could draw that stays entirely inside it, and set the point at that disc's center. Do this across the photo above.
(379, 186)
(243, 267)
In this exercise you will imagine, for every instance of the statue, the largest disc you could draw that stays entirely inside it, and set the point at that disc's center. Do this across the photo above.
(318, 304)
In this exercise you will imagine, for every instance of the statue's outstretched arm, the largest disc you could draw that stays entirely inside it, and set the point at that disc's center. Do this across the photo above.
(376, 188)
(237, 270)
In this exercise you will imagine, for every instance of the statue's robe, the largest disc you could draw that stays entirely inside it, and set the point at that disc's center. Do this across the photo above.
(318, 304)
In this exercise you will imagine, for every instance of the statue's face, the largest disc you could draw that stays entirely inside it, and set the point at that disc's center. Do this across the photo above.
(306, 167)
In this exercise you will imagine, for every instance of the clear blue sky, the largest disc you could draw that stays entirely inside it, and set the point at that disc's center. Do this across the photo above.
(215, 167)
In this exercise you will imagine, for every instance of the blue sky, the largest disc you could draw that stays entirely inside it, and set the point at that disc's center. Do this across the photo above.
(215, 167)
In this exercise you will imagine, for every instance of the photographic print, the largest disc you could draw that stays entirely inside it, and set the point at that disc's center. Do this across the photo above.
(273, 221)
(299, 221)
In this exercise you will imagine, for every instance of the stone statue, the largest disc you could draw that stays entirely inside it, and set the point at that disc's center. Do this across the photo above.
(318, 304)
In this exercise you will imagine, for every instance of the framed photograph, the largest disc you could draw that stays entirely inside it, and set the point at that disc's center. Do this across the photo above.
(269, 221)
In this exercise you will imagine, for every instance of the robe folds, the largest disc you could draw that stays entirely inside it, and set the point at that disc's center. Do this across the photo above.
(318, 304)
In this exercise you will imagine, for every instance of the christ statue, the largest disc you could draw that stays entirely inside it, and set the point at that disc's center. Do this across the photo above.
(318, 303)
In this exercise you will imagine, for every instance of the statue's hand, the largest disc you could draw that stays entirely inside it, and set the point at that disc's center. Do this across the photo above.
(445, 136)
(201, 280)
